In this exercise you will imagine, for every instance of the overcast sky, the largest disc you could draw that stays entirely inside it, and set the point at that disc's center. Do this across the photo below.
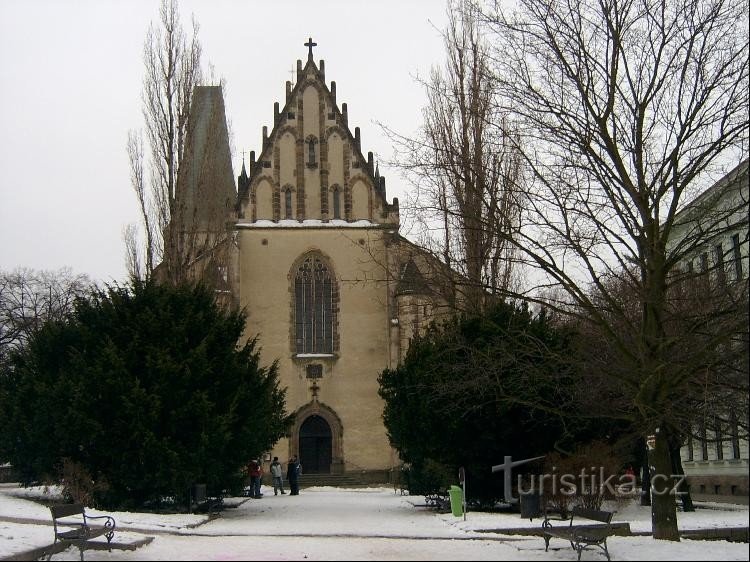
(70, 83)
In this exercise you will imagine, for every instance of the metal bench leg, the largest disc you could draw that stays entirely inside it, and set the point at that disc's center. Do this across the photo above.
(579, 548)
(546, 543)
(606, 552)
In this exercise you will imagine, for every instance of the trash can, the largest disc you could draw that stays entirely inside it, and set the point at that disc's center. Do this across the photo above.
(199, 493)
(457, 500)
(531, 505)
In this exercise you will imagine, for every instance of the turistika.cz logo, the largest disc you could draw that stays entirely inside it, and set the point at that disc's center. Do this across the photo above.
(593, 480)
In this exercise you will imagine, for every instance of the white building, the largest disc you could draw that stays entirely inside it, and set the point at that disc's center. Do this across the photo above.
(713, 232)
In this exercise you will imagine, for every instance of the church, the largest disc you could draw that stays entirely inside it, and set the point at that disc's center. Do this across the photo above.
(308, 245)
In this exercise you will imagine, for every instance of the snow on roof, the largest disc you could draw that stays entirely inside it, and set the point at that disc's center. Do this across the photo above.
(307, 223)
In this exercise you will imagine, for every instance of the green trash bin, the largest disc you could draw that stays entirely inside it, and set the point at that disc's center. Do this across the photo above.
(457, 500)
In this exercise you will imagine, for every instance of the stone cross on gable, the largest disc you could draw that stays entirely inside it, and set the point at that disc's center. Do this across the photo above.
(310, 45)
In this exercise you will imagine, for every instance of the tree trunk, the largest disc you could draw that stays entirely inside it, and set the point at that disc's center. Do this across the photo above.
(663, 508)
(645, 473)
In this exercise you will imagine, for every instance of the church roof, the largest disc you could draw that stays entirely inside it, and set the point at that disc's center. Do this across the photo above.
(205, 183)
(411, 281)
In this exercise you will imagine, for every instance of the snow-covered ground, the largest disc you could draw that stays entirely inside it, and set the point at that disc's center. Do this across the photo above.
(361, 524)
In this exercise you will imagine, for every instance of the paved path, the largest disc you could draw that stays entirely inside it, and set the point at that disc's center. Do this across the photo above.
(328, 525)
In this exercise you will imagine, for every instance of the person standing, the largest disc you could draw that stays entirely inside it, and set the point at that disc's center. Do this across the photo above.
(276, 475)
(255, 472)
(292, 474)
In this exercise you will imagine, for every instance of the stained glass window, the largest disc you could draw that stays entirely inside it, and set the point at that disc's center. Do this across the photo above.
(313, 301)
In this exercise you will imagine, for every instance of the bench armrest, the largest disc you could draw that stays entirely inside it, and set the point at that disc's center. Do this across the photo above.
(548, 518)
(110, 521)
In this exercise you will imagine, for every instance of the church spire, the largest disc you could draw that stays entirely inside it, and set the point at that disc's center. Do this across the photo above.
(243, 180)
(243, 174)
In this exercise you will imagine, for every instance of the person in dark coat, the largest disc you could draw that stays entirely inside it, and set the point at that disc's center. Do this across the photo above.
(292, 475)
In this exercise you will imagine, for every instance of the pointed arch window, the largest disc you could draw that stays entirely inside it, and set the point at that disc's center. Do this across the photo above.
(288, 204)
(336, 203)
(314, 295)
(312, 161)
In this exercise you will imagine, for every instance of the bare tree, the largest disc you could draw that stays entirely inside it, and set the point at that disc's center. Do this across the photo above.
(133, 262)
(466, 168)
(626, 109)
(29, 298)
(706, 325)
(172, 63)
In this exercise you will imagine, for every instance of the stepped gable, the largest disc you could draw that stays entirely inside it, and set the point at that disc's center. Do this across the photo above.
(297, 174)
(205, 191)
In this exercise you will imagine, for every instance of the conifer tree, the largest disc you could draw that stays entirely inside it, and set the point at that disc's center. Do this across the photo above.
(145, 387)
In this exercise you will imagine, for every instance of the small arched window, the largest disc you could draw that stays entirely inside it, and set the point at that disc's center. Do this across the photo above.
(314, 291)
(336, 203)
(311, 157)
(288, 204)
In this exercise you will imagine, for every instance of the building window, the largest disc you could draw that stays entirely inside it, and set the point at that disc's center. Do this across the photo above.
(735, 429)
(312, 161)
(719, 440)
(314, 312)
(737, 257)
(288, 204)
(704, 262)
(704, 442)
(690, 447)
(720, 272)
(336, 203)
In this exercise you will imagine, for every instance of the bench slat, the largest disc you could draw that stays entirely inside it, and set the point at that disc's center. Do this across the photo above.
(72, 535)
(593, 514)
(66, 510)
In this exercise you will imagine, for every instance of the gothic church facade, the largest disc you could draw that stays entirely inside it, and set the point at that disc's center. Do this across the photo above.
(313, 254)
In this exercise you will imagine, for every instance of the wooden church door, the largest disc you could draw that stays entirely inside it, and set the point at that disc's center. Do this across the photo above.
(315, 444)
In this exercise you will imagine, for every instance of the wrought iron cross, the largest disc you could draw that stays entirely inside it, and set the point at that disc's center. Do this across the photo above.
(310, 45)
(315, 388)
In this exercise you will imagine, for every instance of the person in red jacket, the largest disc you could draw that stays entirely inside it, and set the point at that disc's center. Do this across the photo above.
(255, 472)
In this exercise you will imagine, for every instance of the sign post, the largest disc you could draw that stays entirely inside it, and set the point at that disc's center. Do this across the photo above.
(462, 481)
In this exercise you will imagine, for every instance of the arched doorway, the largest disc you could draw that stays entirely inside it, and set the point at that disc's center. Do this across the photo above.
(315, 445)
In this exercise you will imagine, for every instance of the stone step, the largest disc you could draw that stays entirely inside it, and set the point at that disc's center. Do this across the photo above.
(334, 480)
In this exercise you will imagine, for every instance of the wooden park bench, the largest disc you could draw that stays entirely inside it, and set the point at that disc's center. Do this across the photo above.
(581, 536)
(72, 526)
